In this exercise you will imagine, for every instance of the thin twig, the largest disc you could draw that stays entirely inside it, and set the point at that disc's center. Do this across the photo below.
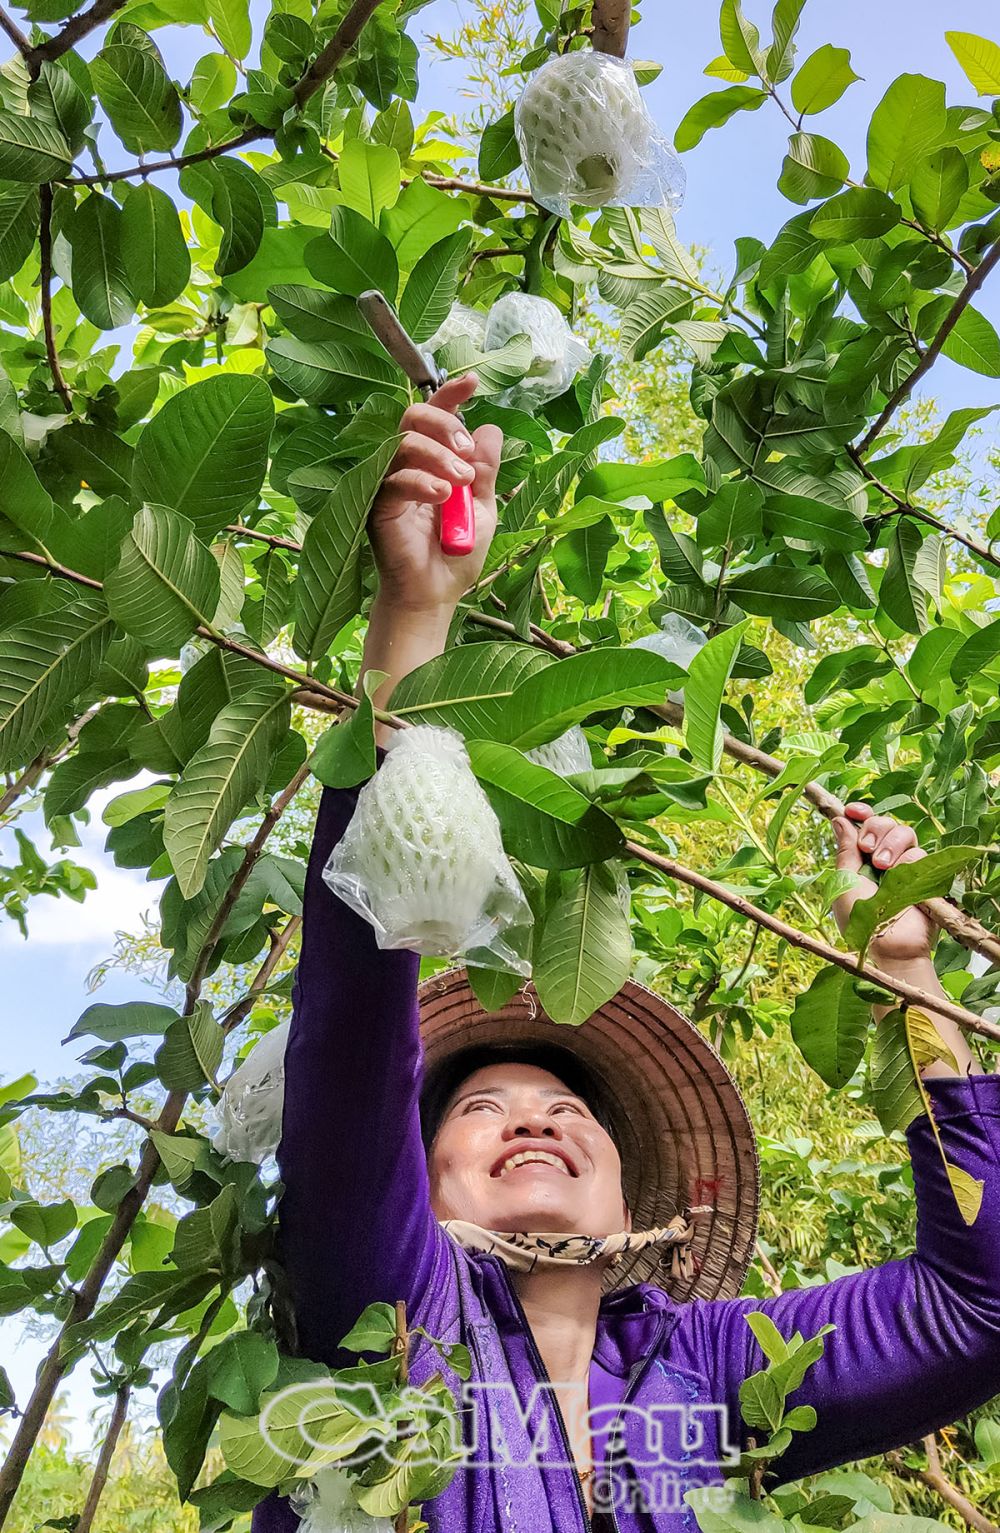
(103, 1465)
(279, 944)
(935, 1477)
(45, 284)
(911, 994)
(905, 507)
(930, 356)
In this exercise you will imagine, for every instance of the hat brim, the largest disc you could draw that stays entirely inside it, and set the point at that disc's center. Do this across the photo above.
(679, 1118)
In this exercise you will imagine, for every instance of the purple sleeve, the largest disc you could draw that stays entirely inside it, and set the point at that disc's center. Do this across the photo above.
(355, 1222)
(917, 1341)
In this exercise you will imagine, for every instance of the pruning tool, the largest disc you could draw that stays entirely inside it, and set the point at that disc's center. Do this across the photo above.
(458, 514)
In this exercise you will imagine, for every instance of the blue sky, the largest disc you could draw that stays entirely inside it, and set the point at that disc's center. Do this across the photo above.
(731, 192)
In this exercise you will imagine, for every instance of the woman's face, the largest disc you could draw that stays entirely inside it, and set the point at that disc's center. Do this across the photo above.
(568, 1172)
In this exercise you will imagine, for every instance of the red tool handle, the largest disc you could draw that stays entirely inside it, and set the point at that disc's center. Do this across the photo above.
(458, 521)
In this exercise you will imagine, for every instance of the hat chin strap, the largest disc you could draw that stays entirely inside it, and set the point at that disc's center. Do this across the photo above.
(530, 1252)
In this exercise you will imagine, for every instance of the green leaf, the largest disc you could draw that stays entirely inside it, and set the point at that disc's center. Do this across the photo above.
(976, 653)
(830, 1025)
(543, 824)
(56, 96)
(733, 516)
(46, 663)
(900, 594)
(328, 586)
(784, 591)
(345, 754)
(142, 103)
(368, 177)
(979, 58)
(813, 167)
(154, 253)
(784, 25)
(896, 1094)
(907, 125)
(937, 185)
(708, 675)
(242, 205)
(354, 256)
(328, 373)
(31, 149)
(499, 153)
(432, 286)
(204, 454)
(715, 109)
(858, 214)
(240, 1368)
(770, 1339)
(100, 282)
(18, 224)
(45, 1223)
(584, 953)
(231, 19)
(581, 558)
(166, 583)
(973, 343)
(822, 80)
(814, 523)
(134, 1019)
(548, 701)
(191, 1051)
(740, 39)
(213, 83)
(220, 779)
(908, 883)
(468, 687)
(654, 481)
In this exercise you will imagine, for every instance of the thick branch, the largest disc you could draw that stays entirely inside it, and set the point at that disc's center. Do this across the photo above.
(45, 283)
(911, 994)
(934, 350)
(20, 40)
(341, 42)
(611, 20)
(103, 1465)
(934, 1477)
(78, 26)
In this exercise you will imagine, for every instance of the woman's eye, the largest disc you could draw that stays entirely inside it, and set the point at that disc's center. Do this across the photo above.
(566, 1107)
(481, 1102)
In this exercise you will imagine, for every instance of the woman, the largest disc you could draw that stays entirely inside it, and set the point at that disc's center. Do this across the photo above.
(366, 1193)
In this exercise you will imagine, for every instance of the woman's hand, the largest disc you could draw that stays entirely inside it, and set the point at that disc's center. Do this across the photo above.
(863, 833)
(404, 526)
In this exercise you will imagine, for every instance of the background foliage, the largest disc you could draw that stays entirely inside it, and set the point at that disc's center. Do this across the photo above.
(184, 583)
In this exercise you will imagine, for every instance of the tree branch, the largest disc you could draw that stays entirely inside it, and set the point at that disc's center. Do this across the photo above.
(77, 27)
(20, 40)
(907, 508)
(279, 944)
(101, 1469)
(341, 42)
(930, 356)
(45, 283)
(815, 945)
(937, 1480)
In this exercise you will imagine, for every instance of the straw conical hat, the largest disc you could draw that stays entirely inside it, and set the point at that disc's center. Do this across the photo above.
(677, 1114)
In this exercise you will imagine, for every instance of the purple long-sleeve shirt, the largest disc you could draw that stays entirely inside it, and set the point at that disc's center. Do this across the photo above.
(916, 1344)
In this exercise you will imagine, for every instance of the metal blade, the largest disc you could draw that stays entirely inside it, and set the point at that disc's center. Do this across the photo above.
(385, 323)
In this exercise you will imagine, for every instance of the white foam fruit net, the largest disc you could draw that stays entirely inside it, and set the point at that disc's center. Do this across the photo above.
(249, 1110)
(422, 859)
(567, 754)
(587, 137)
(460, 323)
(326, 1505)
(678, 640)
(557, 355)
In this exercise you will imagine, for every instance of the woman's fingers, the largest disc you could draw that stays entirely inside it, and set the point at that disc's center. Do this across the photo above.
(423, 454)
(405, 485)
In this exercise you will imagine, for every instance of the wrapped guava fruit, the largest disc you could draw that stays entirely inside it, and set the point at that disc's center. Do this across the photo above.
(460, 323)
(422, 859)
(249, 1110)
(556, 353)
(678, 640)
(586, 137)
(566, 754)
(326, 1504)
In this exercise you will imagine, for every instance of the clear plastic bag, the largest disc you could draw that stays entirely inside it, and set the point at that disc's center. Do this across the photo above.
(326, 1505)
(556, 353)
(461, 322)
(422, 859)
(567, 754)
(678, 640)
(249, 1110)
(586, 137)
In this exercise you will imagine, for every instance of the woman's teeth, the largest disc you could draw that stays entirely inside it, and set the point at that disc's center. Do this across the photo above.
(526, 1157)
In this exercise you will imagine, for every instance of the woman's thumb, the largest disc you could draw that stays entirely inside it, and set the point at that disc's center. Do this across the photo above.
(848, 854)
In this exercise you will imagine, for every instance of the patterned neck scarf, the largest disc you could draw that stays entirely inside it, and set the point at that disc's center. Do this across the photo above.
(523, 1252)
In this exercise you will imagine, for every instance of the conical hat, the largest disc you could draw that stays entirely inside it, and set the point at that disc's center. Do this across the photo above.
(678, 1116)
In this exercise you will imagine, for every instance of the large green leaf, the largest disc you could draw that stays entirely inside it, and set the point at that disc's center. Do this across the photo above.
(353, 256)
(329, 372)
(46, 663)
(468, 687)
(547, 702)
(714, 110)
(154, 251)
(31, 149)
(166, 583)
(937, 185)
(328, 587)
(907, 125)
(191, 1051)
(543, 824)
(980, 59)
(499, 152)
(26, 511)
(220, 779)
(822, 80)
(863, 213)
(432, 285)
(204, 454)
(584, 953)
(814, 167)
(18, 220)
(830, 1024)
(976, 653)
(100, 282)
(708, 675)
(973, 343)
(141, 101)
(784, 591)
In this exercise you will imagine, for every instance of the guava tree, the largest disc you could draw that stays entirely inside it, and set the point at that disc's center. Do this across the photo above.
(185, 581)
